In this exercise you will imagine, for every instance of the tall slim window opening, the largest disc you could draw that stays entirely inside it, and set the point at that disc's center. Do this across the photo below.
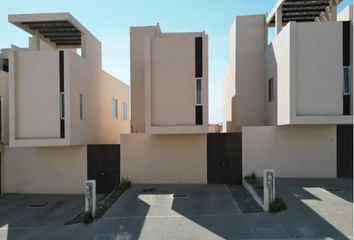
(81, 114)
(125, 109)
(114, 108)
(271, 90)
(198, 91)
(346, 81)
(62, 105)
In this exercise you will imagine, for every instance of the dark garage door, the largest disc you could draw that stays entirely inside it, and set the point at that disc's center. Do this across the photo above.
(224, 157)
(103, 165)
(345, 151)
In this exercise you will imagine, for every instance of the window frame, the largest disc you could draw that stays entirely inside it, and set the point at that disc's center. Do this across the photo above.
(201, 91)
(349, 80)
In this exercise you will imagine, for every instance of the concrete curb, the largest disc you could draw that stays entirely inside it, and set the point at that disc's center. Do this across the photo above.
(253, 193)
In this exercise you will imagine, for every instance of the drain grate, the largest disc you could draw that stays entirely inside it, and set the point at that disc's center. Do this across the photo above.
(180, 195)
(306, 232)
(104, 237)
(38, 205)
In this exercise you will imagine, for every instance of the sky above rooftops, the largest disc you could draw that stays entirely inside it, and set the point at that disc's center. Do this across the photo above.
(109, 21)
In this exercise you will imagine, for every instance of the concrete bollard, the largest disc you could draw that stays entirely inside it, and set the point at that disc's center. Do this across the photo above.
(268, 188)
(90, 197)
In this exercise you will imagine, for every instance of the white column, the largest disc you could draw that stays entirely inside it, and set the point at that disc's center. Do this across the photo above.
(333, 11)
(35, 42)
(278, 20)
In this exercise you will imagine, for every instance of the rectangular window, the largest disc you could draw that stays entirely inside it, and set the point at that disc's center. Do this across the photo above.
(114, 108)
(198, 86)
(62, 106)
(271, 90)
(125, 115)
(81, 117)
(346, 81)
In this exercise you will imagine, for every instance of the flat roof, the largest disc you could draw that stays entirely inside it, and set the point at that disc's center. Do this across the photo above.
(59, 28)
(302, 10)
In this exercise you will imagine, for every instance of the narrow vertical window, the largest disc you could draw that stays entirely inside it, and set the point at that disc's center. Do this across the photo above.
(346, 81)
(271, 90)
(81, 115)
(346, 91)
(62, 105)
(125, 115)
(198, 87)
(114, 108)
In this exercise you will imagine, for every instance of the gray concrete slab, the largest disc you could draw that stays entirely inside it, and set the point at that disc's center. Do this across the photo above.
(15, 210)
(200, 200)
(157, 218)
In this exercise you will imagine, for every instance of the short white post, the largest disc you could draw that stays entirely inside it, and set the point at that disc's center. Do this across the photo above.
(268, 188)
(90, 197)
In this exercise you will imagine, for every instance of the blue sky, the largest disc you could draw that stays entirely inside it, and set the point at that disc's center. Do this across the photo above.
(109, 21)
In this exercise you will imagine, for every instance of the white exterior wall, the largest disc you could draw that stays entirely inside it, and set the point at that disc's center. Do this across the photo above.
(277, 66)
(98, 88)
(4, 95)
(46, 170)
(305, 60)
(292, 151)
(164, 159)
(249, 103)
(243, 79)
(36, 94)
(319, 71)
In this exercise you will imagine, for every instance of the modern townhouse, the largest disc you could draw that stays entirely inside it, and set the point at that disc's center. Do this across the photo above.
(169, 100)
(291, 98)
(61, 114)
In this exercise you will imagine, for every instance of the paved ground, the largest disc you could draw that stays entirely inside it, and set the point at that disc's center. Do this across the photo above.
(209, 212)
(15, 210)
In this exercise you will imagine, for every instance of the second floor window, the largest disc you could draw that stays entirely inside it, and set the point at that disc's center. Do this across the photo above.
(62, 106)
(198, 86)
(346, 81)
(114, 108)
(125, 111)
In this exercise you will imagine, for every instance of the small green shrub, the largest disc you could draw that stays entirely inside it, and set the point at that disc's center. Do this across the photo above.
(125, 184)
(277, 205)
(88, 218)
(252, 176)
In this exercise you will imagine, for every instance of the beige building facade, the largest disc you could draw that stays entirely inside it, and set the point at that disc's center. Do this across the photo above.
(169, 97)
(288, 96)
(55, 102)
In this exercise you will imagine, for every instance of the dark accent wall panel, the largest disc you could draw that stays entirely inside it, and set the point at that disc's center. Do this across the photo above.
(5, 68)
(346, 43)
(198, 57)
(61, 70)
(346, 104)
(199, 115)
(61, 89)
(345, 151)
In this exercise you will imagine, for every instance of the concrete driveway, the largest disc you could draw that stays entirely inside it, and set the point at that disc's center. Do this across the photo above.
(16, 210)
(190, 200)
(210, 212)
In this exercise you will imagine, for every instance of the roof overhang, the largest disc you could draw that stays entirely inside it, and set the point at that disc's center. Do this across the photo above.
(60, 29)
(303, 10)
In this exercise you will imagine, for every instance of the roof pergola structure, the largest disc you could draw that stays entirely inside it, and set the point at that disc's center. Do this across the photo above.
(285, 11)
(59, 30)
